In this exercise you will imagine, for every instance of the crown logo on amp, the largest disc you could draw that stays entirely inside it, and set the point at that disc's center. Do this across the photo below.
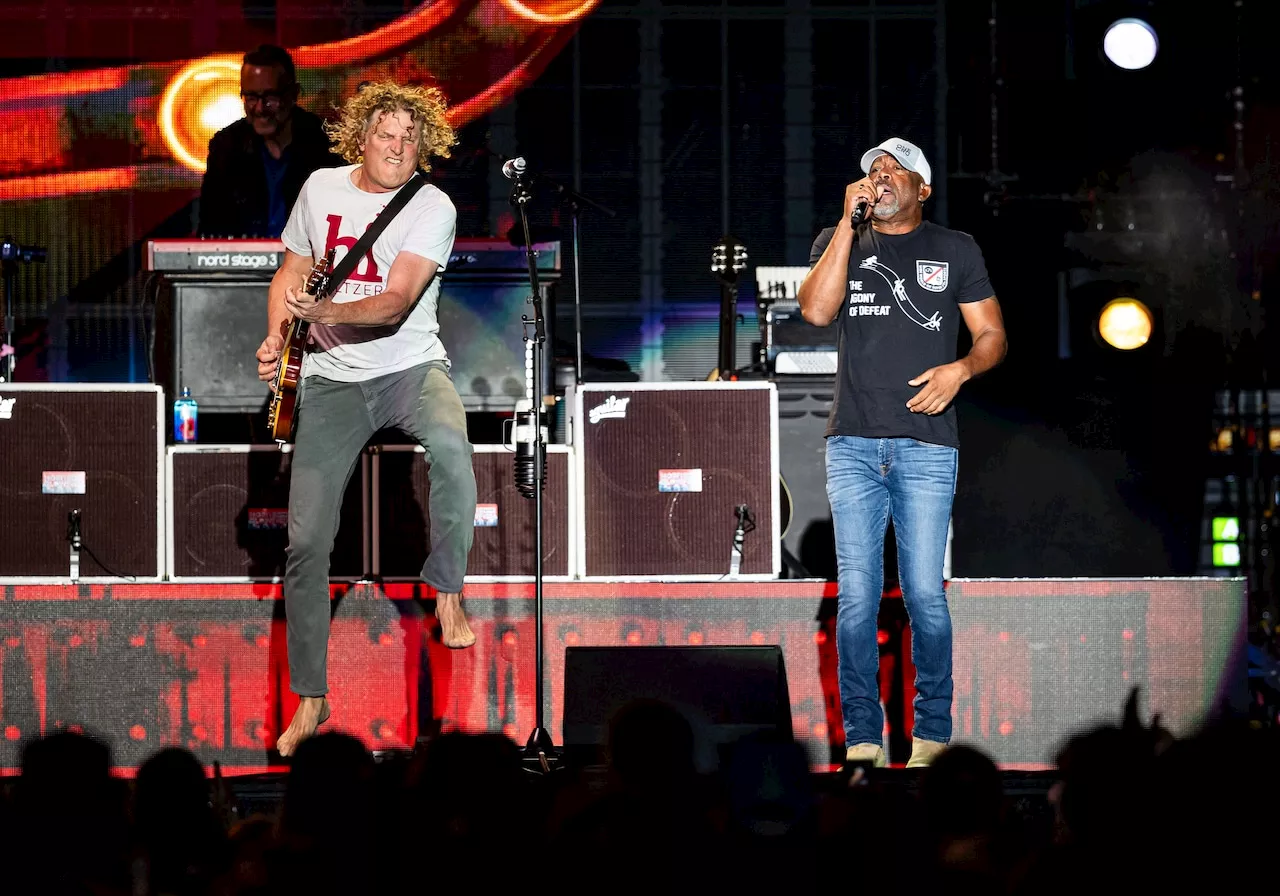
(612, 408)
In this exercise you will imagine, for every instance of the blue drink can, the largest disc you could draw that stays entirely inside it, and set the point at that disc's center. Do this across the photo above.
(185, 413)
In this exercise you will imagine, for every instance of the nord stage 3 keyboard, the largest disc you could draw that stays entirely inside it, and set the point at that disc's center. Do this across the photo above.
(214, 256)
(470, 256)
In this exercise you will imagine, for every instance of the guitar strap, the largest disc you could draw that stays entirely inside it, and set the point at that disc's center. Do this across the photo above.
(349, 261)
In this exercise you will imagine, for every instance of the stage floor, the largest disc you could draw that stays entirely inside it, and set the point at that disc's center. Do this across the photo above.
(204, 665)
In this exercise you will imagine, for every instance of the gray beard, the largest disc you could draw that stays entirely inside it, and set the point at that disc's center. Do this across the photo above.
(887, 209)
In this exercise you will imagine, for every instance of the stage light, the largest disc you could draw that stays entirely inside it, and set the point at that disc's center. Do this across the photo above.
(1130, 43)
(196, 104)
(1125, 324)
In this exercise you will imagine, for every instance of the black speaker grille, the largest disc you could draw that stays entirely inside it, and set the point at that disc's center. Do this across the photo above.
(108, 436)
(502, 550)
(634, 529)
(230, 516)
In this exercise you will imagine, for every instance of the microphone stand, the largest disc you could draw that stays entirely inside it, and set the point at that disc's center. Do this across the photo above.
(539, 748)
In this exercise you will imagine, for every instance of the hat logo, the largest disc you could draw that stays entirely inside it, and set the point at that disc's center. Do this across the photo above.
(905, 150)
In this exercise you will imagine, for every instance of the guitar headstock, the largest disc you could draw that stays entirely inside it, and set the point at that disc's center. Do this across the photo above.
(319, 276)
(728, 260)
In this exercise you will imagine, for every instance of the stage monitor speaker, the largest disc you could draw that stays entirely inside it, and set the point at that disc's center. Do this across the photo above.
(808, 537)
(662, 469)
(228, 515)
(726, 693)
(92, 448)
(504, 535)
(208, 327)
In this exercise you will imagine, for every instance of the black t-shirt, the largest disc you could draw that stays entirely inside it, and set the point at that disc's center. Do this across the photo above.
(900, 317)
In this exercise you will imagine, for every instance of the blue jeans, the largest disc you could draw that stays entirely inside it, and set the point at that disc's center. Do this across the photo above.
(870, 481)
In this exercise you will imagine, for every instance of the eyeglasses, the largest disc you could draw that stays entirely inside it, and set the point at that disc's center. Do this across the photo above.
(270, 100)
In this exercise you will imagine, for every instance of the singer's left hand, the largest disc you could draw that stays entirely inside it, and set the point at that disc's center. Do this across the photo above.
(305, 306)
(940, 386)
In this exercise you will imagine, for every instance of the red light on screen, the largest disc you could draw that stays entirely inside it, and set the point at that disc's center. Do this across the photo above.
(695, 637)
(633, 637)
(819, 637)
(1006, 728)
(1083, 639)
(200, 641)
(261, 733)
(75, 729)
(262, 641)
(757, 637)
(882, 637)
(12, 732)
(509, 638)
(1003, 636)
(137, 732)
(820, 731)
(12, 642)
(509, 731)
(200, 733)
(572, 638)
(386, 639)
(75, 641)
(1127, 635)
(386, 732)
(138, 641)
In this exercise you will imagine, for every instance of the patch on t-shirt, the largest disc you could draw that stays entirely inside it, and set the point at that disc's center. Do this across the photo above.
(932, 275)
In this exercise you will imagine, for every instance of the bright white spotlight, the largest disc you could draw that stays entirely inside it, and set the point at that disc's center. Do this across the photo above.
(1130, 43)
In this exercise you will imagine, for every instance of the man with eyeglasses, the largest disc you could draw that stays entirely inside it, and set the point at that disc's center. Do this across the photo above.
(257, 165)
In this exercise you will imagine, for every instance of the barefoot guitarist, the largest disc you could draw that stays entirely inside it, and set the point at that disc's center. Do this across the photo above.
(375, 360)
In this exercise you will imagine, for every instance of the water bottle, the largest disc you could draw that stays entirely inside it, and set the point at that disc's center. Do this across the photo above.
(185, 411)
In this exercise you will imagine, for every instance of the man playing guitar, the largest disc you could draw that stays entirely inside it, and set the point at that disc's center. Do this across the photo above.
(375, 361)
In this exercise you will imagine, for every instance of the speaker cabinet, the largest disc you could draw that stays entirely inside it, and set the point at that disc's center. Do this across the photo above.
(726, 693)
(808, 536)
(662, 468)
(229, 515)
(92, 448)
(503, 549)
(208, 327)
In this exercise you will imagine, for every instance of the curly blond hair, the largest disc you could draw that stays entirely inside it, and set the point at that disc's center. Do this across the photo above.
(425, 105)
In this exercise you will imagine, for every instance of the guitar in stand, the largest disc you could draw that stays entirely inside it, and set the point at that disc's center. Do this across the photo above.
(728, 260)
(282, 414)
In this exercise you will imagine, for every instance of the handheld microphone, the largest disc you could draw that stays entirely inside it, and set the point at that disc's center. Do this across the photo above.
(528, 482)
(859, 213)
(513, 168)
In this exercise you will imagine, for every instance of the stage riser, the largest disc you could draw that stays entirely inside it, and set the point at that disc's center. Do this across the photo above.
(205, 666)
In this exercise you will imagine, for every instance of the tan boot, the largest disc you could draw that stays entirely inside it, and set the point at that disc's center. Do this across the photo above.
(866, 753)
(923, 752)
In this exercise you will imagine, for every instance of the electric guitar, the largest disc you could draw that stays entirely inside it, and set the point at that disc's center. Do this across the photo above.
(728, 260)
(284, 397)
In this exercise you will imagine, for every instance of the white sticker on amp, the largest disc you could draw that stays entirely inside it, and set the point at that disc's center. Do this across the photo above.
(680, 480)
(6, 406)
(62, 482)
(486, 515)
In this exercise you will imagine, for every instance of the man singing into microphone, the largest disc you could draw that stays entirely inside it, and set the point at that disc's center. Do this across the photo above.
(898, 287)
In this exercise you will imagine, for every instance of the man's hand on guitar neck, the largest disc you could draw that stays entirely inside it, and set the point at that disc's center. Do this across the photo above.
(268, 358)
(304, 306)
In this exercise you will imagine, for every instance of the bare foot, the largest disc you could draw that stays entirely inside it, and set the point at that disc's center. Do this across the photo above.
(312, 713)
(454, 630)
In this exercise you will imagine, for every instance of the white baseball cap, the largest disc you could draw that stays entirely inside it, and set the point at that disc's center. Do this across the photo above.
(908, 155)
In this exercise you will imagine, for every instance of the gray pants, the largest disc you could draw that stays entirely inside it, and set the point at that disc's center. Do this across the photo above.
(335, 421)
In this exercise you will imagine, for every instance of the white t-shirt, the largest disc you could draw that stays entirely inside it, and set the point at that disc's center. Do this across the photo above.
(331, 212)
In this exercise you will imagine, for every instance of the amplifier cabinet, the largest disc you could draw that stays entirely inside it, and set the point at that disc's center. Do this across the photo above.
(228, 509)
(93, 448)
(503, 550)
(662, 468)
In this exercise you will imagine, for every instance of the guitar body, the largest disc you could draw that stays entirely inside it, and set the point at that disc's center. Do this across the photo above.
(282, 416)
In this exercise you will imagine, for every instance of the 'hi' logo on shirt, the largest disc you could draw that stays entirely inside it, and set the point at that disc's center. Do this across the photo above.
(368, 272)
